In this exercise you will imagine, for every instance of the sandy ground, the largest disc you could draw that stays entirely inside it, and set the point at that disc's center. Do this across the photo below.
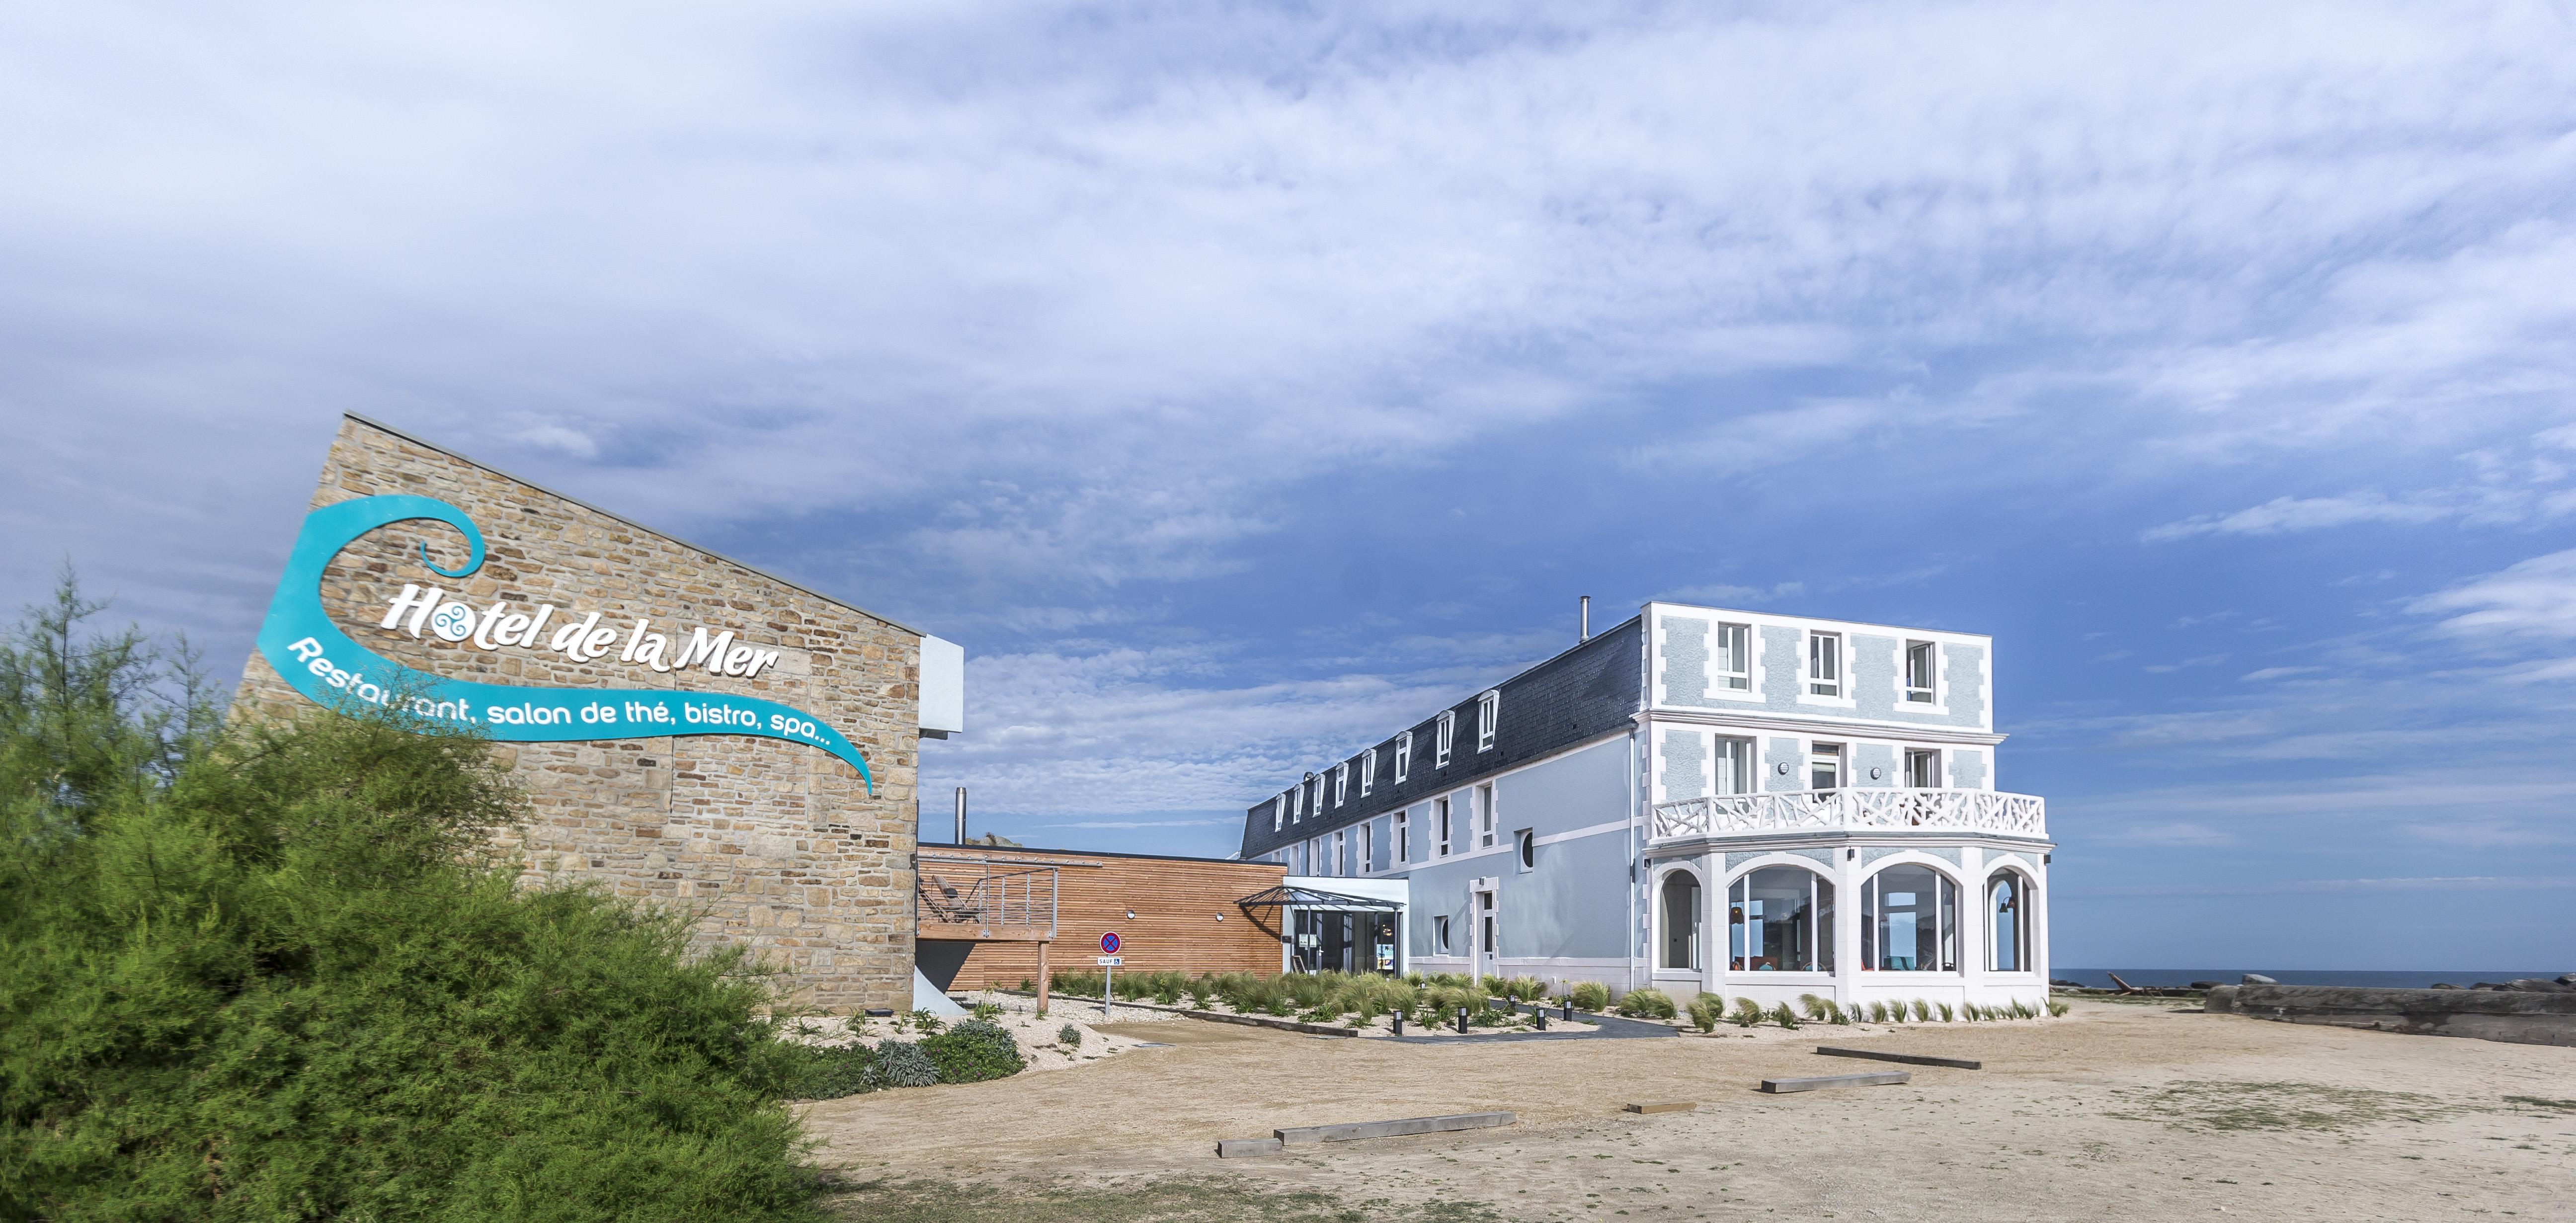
(2119, 1111)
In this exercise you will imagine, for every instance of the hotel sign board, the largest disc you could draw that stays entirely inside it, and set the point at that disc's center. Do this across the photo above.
(313, 656)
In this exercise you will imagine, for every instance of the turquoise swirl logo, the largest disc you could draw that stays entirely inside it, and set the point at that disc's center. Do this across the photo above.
(329, 668)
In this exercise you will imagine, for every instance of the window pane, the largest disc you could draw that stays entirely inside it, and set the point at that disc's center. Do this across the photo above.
(2010, 925)
(1910, 915)
(1779, 920)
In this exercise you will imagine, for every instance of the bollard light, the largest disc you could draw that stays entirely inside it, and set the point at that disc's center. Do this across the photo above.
(1462, 1021)
(1399, 1022)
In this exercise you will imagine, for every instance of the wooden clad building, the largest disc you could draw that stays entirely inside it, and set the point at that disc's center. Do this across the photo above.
(984, 912)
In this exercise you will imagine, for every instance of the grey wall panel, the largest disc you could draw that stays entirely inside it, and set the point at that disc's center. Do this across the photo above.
(1573, 791)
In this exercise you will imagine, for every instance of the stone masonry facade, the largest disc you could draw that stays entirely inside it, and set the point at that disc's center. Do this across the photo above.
(779, 845)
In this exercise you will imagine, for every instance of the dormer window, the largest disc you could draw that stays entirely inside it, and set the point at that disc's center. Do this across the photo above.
(1368, 772)
(1341, 783)
(1444, 732)
(1403, 755)
(1489, 708)
(1922, 671)
(1297, 803)
(1824, 664)
(1278, 813)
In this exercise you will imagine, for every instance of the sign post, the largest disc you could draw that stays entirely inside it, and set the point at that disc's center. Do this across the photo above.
(1109, 962)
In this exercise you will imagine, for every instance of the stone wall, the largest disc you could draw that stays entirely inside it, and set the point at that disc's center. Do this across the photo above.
(780, 846)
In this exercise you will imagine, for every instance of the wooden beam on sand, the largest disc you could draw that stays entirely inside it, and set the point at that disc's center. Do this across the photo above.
(1910, 1059)
(1886, 1078)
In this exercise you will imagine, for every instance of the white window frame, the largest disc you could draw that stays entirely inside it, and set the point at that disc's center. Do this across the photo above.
(1341, 851)
(1747, 779)
(1842, 753)
(1489, 715)
(1297, 803)
(1940, 770)
(1730, 682)
(1816, 649)
(1341, 783)
(1484, 804)
(1368, 772)
(1444, 824)
(1403, 836)
(1444, 732)
(1368, 838)
(1929, 695)
(1403, 756)
(1525, 846)
(1278, 813)
(1440, 936)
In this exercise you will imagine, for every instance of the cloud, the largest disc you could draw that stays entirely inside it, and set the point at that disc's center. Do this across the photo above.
(1229, 821)
(2283, 514)
(2531, 600)
(1723, 595)
(572, 442)
(2269, 673)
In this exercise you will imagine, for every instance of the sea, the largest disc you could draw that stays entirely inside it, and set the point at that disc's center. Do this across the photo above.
(2371, 977)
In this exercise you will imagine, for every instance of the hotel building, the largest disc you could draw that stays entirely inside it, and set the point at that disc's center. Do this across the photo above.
(1697, 799)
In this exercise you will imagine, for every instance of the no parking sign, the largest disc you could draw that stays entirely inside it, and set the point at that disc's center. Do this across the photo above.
(1109, 943)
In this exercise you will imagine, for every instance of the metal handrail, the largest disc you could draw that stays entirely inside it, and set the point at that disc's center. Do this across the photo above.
(984, 896)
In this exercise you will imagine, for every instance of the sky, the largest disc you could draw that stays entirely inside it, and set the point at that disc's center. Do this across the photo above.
(1240, 382)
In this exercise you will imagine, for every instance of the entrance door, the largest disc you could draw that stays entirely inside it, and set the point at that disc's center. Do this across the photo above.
(1488, 956)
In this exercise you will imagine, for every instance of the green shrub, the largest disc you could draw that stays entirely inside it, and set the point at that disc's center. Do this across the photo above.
(1812, 1005)
(1706, 1010)
(986, 1010)
(1785, 1017)
(277, 971)
(1878, 1013)
(924, 1022)
(1646, 1003)
(1945, 1012)
(1922, 1011)
(1590, 996)
(1747, 1013)
(1834, 1012)
(1030, 986)
(974, 1051)
(901, 1063)
(2057, 1008)
(1069, 1036)
(833, 1071)
(2023, 1010)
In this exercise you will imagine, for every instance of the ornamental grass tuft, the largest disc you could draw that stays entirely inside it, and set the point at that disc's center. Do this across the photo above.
(1706, 1010)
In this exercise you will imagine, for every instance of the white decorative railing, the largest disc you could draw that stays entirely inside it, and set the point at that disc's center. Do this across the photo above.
(1851, 809)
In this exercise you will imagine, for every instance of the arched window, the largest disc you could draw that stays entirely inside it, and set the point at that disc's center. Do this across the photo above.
(2008, 921)
(1681, 921)
(1909, 921)
(1781, 919)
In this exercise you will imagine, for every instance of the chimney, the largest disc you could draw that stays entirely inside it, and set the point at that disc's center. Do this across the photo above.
(961, 815)
(1584, 631)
